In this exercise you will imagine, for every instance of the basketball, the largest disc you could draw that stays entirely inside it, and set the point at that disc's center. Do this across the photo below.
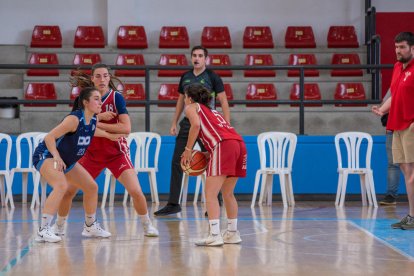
(198, 164)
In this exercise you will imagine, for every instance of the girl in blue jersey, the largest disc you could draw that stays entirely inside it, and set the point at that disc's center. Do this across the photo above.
(56, 160)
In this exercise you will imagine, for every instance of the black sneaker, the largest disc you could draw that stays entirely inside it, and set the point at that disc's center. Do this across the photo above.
(388, 200)
(404, 221)
(169, 209)
(409, 225)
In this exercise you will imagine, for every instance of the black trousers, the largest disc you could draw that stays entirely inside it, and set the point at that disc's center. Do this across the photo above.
(176, 171)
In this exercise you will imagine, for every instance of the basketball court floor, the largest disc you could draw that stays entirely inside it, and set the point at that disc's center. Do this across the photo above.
(313, 238)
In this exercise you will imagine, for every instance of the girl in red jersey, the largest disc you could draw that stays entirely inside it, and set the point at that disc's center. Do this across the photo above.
(228, 160)
(104, 153)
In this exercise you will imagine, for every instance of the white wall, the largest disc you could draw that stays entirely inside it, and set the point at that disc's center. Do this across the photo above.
(17, 17)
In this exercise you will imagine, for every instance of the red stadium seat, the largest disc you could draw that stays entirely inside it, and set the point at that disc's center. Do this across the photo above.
(303, 59)
(219, 60)
(46, 37)
(89, 37)
(86, 60)
(37, 58)
(258, 37)
(261, 91)
(130, 60)
(172, 60)
(74, 93)
(132, 91)
(342, 37)
(350, 91)
(174, 37)
(343, 59)
(312, 92)
(259, 60)
(132, 37)
(168, 92)
(40, 91)
(300, 37)
(216, 37)
(229, 93)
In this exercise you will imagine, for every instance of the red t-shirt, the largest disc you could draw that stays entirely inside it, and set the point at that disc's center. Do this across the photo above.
(401, 114)
(214, 128)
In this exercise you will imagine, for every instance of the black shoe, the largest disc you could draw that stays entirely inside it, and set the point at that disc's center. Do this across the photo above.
(206, 214)
(169, 209)
(388, 200)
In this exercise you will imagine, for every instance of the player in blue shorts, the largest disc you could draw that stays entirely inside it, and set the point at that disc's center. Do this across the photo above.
(56, 160)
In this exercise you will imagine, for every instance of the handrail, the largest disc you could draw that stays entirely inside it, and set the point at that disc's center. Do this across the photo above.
(375, 99)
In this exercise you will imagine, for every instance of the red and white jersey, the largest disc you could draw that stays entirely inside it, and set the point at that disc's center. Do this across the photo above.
(214, 128)
(103, 147)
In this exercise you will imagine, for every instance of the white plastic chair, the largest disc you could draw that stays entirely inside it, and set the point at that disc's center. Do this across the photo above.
(38, 178)
(22, 166)
(200, 183)
(141, 163)
(353, 141)
(5, 184)
(275, 158)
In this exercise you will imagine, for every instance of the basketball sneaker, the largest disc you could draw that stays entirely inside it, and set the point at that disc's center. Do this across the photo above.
(58, 230)
(95, 230)
(150, 230)
(211, 240)
(409, 225)
(231, 237)
(404, 220)
(46, 235)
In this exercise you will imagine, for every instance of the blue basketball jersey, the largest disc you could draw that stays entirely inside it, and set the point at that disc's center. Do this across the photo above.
(71, 146)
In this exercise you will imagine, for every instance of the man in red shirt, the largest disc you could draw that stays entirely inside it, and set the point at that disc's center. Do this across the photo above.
(401, 118)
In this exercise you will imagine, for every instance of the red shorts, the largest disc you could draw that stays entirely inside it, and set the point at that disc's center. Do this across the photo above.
(117, 164)
(229, 157)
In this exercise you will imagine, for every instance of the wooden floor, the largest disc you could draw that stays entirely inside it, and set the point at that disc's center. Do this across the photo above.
(313, 238)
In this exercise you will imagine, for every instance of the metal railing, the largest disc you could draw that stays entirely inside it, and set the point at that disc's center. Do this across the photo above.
(374, 70)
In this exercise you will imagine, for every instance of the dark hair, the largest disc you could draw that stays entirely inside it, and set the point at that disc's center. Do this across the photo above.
(85, 94)
(405, 36)
(199, 47)
(81, 79)
(198, 93)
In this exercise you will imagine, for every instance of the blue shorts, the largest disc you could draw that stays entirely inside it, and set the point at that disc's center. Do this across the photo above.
(37, 163)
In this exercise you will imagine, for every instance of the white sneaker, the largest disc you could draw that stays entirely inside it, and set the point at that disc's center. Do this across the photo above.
(211, 240)
(150, 230)
(94, 230)
(46, 235)
(231, 237)
(58, 230)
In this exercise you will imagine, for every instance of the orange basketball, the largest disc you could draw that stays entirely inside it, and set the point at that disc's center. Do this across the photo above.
(198, 164)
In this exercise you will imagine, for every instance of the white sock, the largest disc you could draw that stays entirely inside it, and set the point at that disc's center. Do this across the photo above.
(145, 218)
(232, 225)
(214, 226)
(90, 219)
(61, 220)
(46, 221)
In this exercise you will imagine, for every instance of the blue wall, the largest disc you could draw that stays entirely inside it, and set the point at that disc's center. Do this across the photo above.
(314, 167)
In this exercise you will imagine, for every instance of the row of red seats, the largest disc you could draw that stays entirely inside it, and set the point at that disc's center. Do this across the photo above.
(255, 91)
(212, 60)
(134, 37)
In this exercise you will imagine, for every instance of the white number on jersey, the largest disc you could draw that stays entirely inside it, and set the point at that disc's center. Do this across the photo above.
(84, 140)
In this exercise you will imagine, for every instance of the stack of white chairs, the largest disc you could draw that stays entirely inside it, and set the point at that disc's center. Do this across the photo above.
(276, 151)
(5, 183)
(353, 142)
(141, 161)
(200, 183)
(25, 167)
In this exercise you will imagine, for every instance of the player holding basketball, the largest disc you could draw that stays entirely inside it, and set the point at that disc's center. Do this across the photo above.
(104, 153)
(228, 160)
(56, 160)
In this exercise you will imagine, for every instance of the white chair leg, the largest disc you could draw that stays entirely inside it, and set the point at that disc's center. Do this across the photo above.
(35, 196)
(339, 188)
(263, 188)
(372, 189)
(289, 186)
(125, 200)
(255, 189)
(269, 193)
(153, 183)
(112, 191)
(283, 189)
(2, 191)
(184, 187)
(197, 189)
(43, 188)
(24, 188)
(203, 188)
(105, 191)
(9, 192)
(343, 188)
(364, 189)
